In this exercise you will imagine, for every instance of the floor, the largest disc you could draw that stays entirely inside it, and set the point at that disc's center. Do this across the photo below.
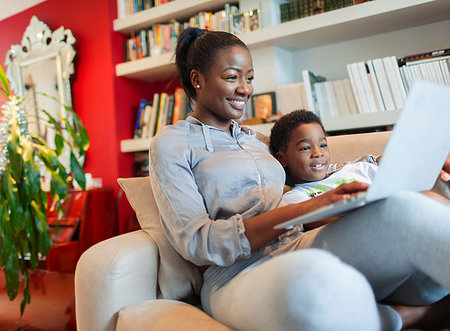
(52, 306)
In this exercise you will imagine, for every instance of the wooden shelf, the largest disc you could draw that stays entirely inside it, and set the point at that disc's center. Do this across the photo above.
(347, 23)
(349, 122)
(178, 10)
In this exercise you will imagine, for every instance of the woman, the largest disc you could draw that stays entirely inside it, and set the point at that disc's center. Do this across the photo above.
(219, 190)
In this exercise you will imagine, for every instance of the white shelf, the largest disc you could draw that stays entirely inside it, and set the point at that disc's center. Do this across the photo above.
(150, 68)
(348, 23)
(360, 121)
(134, 145)
(362, 20)
(177, 10)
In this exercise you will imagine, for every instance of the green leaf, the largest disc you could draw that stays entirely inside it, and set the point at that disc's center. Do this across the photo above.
(4, 81)
(15, 158)
(58, 186)
(12, 274)
(59, 143)
(77, 171)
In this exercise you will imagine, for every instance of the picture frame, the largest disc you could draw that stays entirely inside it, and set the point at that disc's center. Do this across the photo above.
(264, 105)
(253, 20)
(238, 23)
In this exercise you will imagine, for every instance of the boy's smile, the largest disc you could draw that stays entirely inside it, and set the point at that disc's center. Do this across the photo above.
(307, 156)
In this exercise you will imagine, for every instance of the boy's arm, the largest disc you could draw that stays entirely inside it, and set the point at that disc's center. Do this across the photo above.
(374, 159)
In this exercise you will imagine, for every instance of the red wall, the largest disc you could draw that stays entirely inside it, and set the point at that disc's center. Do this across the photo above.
(106, 104)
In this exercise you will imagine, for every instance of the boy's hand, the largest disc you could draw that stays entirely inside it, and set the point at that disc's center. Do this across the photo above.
(445, 172)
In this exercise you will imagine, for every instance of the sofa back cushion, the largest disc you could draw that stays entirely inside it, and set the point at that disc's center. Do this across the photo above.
(177, 278)
(349, 147)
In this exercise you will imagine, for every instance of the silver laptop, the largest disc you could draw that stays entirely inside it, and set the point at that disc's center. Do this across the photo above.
(413, 157)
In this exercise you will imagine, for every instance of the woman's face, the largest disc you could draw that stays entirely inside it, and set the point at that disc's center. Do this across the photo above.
(306, 157)
(222, 94)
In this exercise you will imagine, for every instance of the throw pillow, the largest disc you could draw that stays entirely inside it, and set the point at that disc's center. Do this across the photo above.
(177, 278)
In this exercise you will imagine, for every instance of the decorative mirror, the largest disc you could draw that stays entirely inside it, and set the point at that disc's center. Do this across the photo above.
(39, 70)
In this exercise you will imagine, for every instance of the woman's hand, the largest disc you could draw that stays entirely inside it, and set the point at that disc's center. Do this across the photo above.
(343, 191)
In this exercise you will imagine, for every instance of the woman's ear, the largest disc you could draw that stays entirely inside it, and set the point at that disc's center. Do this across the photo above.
(195, 78)
(281, 157)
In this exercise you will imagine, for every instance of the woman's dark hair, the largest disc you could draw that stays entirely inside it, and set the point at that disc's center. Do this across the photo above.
(283, 128)
(197, 49)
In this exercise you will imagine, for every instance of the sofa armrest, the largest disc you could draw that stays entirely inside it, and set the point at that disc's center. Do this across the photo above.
(113, 274)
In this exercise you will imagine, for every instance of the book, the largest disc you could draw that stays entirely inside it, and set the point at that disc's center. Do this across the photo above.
(154, 116)
(395, 81)
(410, 59)
(310, 79)
(178, 105)
(148, 110)
(140, 120)
(349, 97)
(383, 83)
(367, 89)
(375, 86)
(355, 83)
(162, 114)
(291, 97)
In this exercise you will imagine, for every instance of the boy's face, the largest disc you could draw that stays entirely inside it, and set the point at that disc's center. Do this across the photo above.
(306, 156)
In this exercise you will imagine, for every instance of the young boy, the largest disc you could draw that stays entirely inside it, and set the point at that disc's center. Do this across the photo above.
(298, 142)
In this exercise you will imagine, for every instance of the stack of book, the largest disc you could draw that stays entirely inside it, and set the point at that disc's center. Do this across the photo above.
(162, 38)
(159, 39)
(328, 98)
(432, 66)
(164, 109)
(129, 7)
(219, 21)
(375, 85)
(296, 9)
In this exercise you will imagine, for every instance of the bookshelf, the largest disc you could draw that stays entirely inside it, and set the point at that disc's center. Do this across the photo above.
(346, 25)
(341, 123)
(366, 19)
(177, 10)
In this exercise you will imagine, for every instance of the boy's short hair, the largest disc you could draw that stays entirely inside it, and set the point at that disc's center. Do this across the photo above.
(282, 130)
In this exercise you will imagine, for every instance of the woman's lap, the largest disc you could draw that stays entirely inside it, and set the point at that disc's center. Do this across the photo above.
(395, 243)
(385, 241)
(295, 289)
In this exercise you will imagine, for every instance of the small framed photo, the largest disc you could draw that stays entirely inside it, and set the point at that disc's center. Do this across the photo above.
(254, 21)
(238, 23)
(264, 105)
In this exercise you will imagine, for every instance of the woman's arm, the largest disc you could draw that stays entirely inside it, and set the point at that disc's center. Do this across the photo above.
(259, 229)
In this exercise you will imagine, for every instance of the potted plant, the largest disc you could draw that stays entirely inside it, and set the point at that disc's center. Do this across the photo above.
(24, 158)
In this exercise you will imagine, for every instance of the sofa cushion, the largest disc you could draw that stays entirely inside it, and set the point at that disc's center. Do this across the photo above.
(177, 278)
(167, 315)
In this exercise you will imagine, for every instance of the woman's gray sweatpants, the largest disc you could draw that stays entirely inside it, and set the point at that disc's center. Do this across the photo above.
(397, 249)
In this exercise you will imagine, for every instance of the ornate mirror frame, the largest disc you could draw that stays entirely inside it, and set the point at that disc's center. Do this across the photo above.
(42, 63)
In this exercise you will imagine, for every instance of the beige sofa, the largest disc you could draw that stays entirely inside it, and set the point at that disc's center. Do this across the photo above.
(133, 281)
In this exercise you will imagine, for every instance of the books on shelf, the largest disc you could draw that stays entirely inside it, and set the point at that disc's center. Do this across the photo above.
(164, 109)
(432, 66)
(377, 84)
(129, 7)
(296, 9)
(328, 98)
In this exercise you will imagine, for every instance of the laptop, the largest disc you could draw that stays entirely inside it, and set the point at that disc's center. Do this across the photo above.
(413, 157)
